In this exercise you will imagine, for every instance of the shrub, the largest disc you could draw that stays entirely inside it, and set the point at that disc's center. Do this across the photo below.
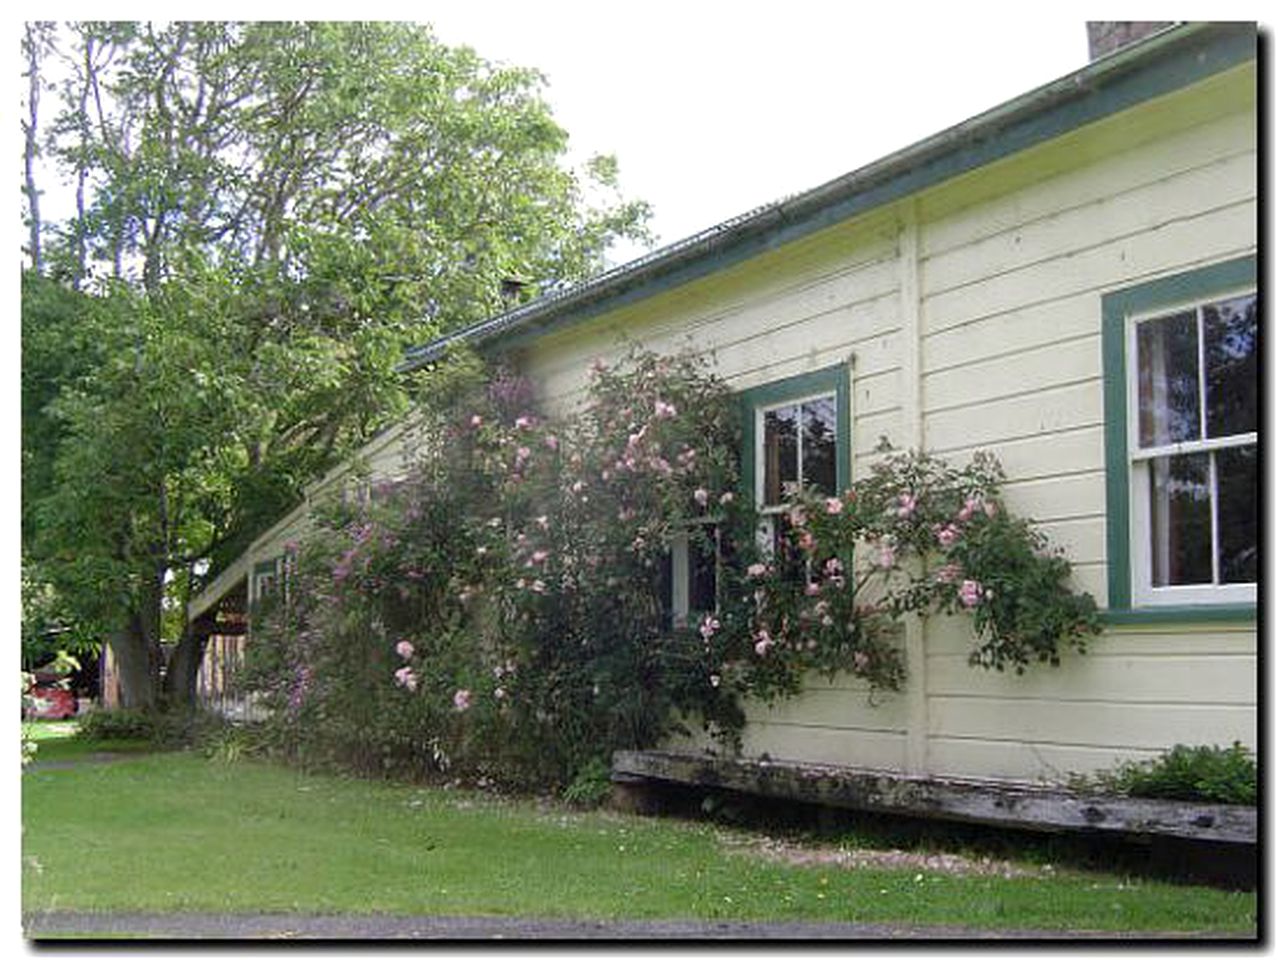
(118, 725)
(591, 785)
(500, 612)
(1206, 774)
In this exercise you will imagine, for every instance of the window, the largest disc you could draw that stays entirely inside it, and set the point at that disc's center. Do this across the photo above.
(796, 434)
(266, 575)
(1182, 439)
(690, 573)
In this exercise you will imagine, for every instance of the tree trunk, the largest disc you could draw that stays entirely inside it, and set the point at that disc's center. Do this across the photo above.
(31, 45)
(133, 666)
(184, 668)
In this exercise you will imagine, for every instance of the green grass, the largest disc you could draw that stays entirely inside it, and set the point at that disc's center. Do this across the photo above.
(45, 730)
(57, 740)
(177, 832)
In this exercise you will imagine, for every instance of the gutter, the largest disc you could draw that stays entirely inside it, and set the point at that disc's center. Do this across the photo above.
(907, 171)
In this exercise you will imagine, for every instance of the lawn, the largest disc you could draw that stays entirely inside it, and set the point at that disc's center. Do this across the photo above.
(178, 832)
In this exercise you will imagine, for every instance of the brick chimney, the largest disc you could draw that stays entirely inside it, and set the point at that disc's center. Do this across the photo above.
(1106, 36)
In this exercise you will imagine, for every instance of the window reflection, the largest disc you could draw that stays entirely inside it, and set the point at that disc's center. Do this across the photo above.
(1180, 519)
(1167, 363)
(819, 445)
(780, 452)
(1237, 514)
(1229, 345)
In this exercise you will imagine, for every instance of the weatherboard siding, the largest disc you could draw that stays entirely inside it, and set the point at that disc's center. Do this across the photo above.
(1011, 264)
(1012, 363)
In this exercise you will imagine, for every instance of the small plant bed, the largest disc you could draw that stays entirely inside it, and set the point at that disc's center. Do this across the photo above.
(123, 838)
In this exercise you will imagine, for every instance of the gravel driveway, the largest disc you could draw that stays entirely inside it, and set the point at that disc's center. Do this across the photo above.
(197, 926)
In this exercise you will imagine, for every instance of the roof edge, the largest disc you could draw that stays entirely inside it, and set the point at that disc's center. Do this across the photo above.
(906, 171)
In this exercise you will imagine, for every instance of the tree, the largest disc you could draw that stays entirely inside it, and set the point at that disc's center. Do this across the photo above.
(268, 215)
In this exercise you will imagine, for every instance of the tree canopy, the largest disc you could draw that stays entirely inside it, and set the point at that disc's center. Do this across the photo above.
(266, 215)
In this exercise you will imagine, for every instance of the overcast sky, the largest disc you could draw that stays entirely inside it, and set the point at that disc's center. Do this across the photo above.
(713, 108)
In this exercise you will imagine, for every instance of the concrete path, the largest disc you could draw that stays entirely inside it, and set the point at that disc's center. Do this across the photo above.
(196, 926)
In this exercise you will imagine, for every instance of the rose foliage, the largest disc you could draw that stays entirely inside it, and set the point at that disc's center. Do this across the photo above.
(503, 610)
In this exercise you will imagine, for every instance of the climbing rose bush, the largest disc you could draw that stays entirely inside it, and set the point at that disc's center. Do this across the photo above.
(916, 536)
(503, 610)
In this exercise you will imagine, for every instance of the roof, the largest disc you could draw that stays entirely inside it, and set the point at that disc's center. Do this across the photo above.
(1162, 63)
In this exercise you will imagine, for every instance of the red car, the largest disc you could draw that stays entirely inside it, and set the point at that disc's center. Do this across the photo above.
(46, 700)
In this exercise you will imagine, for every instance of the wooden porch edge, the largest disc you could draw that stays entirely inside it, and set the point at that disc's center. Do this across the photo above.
(994, 802)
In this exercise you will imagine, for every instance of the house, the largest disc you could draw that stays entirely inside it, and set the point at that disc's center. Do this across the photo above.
(1068, 280)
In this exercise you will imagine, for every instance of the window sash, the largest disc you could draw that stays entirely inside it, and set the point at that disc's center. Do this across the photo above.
(1140, 462)
(760, 451)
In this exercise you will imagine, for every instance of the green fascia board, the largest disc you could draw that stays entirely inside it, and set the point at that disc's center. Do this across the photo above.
(834, 379)
(1116, 307)
(1089, 95)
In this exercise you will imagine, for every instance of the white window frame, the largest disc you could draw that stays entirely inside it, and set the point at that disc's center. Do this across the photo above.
(766, 532)
(681, 572)
(1144, 593)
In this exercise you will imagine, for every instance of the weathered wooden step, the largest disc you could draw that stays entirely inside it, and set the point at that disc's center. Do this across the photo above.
(996, 802)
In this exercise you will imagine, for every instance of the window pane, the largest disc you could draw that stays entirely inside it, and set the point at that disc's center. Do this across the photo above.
(665, 588)
(819, 445)
(702, 573)
(1167, 364)
(1238, 519)
(1180, 519)
(780, 452)
(1230, 350)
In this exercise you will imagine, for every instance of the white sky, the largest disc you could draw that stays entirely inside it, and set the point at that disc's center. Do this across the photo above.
(714, 108)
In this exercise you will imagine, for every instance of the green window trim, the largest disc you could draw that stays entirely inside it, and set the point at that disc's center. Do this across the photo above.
(264, 569)
(1164, 293)
(834, 379)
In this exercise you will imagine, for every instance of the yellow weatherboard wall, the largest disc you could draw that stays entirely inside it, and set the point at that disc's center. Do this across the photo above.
(972, 314)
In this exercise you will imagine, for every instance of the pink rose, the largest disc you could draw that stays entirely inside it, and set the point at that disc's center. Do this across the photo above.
(947, 536)
(833, 505)
(476, 420)
(970, 593)
(552, 441)
(701, 495)
(709, 626)
(905, 505)
(948, 573)
(405, 677)
(663, 410)
(727, 498)
(524, 422)
(763, 644)
(756, 570)
(461, 700)
(404, 649)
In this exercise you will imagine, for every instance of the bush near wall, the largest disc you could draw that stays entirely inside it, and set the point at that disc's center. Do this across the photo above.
(502, 611)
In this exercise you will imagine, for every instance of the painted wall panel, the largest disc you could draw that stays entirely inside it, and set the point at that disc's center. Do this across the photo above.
(883, 751)
(1105, 676)
(1172, 195)
(1123, 162)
